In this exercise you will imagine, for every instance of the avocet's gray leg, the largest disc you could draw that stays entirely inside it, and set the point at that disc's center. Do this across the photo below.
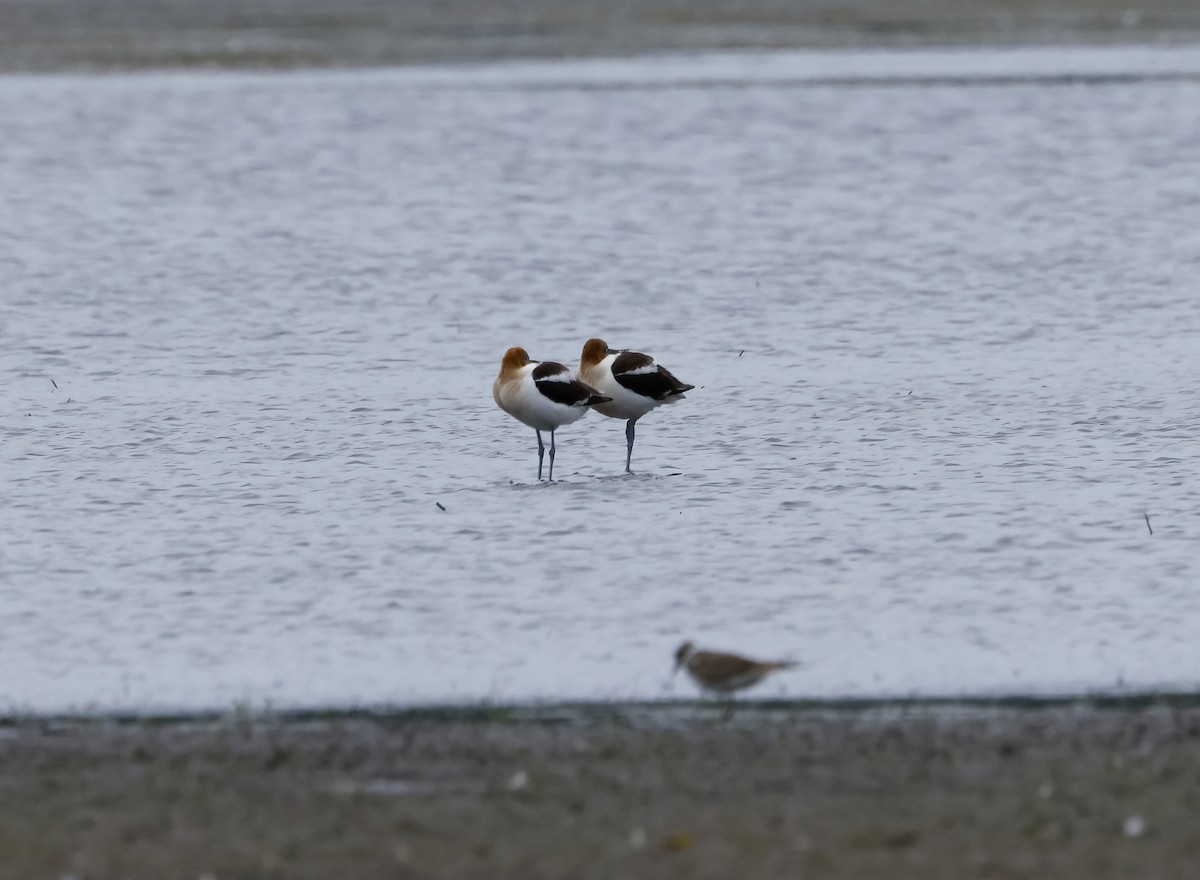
(541, 452)
(629, 444)
(551, 456)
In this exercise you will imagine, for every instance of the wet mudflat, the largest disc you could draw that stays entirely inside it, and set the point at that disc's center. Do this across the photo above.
(1068, 790)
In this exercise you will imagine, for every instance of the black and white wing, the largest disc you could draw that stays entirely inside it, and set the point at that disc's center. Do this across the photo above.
(640, 374)
(555, 382)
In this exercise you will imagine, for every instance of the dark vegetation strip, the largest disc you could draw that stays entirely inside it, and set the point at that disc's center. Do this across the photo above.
(648, 713)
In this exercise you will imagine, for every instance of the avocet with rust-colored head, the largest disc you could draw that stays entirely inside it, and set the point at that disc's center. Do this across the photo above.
(544, 396)
(633, 380)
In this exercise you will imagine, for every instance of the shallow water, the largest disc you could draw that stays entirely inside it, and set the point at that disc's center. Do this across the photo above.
(944, 333)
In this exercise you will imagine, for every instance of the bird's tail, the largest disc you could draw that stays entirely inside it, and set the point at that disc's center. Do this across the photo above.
(783, 664)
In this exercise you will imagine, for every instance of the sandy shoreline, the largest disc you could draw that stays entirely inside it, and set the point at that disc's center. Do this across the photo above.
(55, 35)
(1087, 789)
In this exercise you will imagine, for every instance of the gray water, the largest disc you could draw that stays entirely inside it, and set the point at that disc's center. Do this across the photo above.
(943, 329)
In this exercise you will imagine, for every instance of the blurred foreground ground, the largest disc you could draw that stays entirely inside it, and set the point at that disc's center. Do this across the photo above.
(46, 35)
(1069, 791)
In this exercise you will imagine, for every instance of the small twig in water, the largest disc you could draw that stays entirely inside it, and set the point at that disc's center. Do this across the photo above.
(742, 352)
(1146, 516)
(439, 504)
(55, 384)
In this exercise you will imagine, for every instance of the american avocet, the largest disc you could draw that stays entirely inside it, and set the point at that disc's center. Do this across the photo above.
(633, 380)
(544, 396)
(724, 673)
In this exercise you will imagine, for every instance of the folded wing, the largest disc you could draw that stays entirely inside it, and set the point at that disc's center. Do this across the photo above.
(555, 382)
(640, 374)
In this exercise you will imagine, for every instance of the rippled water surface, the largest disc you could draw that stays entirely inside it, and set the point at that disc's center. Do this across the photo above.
(945, 333)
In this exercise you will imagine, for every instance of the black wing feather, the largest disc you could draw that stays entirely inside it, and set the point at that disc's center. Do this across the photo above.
(546, 369)
(628, 361)
(568, 393)
(657, 384)
(573, 393)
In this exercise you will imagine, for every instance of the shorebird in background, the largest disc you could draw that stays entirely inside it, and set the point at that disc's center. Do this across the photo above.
(724, 673)
(544, 396)
(633, 380)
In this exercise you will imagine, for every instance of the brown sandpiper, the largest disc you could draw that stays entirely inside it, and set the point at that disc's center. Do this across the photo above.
(724, 673)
